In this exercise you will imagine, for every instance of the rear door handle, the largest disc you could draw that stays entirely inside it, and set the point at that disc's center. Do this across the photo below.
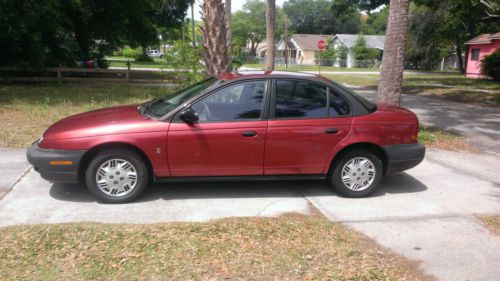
(331, 130)
(249, 133)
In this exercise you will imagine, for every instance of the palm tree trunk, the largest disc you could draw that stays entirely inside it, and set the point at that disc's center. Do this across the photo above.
(391, 78)
(270, 24)
(228, 19)
(216, 48)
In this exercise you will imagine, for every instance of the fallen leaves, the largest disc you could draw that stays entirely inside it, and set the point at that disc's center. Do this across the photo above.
(285, 248)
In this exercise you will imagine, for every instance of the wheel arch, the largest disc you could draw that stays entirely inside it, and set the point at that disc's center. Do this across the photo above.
(91, 153)
(371, 147)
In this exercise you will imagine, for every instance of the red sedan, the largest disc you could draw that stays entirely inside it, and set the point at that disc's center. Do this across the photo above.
(251, 126)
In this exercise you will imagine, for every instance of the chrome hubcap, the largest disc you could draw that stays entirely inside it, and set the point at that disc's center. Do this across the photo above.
(116, 177)
(358, 173)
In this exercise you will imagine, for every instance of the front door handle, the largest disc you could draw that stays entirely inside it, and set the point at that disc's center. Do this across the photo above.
(249, 133)
(331, 130)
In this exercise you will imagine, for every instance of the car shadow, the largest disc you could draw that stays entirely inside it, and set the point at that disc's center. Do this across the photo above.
(392, 184)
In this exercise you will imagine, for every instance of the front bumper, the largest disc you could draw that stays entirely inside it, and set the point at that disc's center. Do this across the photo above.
(66, 173)
(401, 157)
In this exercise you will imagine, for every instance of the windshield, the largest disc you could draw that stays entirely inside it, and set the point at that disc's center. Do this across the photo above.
(162, 106)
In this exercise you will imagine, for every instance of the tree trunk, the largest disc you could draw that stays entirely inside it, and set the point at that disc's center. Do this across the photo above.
(391, 76)
(216, 48)
(253, 48)
(270, 25)
(228, 19)
(461, 67)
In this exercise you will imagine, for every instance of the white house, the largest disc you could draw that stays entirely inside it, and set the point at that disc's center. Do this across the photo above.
(349, 40)
(301, 48)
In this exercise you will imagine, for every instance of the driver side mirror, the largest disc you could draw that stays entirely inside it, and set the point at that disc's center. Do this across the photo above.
(189, 116)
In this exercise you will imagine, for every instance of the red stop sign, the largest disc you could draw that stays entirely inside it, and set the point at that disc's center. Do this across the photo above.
(321, 44)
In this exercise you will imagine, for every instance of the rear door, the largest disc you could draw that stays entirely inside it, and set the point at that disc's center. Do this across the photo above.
(228, 139)
(307, 120)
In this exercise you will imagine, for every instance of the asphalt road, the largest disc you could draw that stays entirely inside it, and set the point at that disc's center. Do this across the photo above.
(426, 214)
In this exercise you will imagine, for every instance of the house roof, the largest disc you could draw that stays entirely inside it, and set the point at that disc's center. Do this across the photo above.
(484, 39)
(372, 41)
(308, 41)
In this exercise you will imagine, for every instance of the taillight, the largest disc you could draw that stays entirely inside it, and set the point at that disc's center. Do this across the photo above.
(414, 136)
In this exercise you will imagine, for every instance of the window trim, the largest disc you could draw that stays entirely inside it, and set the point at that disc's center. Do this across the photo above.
(265, 105)
(272, 109)
(478, 50)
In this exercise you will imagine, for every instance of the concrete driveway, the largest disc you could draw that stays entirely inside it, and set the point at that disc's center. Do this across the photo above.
(428, 214)
(425, 214)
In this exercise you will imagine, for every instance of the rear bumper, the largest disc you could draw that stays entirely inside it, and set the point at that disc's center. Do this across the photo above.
(41, 160)
(401, 157)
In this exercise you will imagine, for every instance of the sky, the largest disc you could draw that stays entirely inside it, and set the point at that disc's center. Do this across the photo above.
(236, 5)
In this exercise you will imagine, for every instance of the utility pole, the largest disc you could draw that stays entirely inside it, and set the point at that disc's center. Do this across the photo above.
(193, 37)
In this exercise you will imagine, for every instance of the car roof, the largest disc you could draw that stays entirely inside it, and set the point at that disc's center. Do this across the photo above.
(271, 74)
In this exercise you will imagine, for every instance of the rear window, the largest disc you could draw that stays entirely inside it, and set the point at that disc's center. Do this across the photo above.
(304, 99)
(370, 106)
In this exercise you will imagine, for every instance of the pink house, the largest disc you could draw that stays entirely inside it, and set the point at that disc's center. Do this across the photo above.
(478, 48)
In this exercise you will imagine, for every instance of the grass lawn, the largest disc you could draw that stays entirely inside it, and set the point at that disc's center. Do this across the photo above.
(454, 87)
(286, 248)
(311, 68)
(27, 110)
(440, 85)
(436, 138)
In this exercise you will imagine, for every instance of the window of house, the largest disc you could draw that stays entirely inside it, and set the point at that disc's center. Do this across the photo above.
(475, 54)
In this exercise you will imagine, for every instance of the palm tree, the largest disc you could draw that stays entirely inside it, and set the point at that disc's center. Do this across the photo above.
(391, 78)
(216, 47)
(228, 19)
(270, 25)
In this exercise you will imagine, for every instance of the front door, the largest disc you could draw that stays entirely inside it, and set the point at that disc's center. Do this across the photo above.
(307, 120)
(229, 137)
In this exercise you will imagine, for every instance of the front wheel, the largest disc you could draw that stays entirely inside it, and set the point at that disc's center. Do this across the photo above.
(357, 173)
(117, 176)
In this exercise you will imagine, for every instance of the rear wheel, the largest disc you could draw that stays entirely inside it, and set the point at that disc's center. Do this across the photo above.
(357, 173)
(117, 176)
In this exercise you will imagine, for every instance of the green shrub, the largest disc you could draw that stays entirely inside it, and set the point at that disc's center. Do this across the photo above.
(362, 54)
(131, 53)
(144, 58)
(187, 60)
(490, 65)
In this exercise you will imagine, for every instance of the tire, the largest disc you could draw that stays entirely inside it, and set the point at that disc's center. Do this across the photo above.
(123, 176)
(364, 162)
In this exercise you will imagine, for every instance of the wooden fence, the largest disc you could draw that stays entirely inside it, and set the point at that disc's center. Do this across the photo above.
(68, 74)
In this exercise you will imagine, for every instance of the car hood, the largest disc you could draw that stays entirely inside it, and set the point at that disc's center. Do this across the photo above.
(106, 121)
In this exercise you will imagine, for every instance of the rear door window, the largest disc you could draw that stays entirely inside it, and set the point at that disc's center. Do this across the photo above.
(304, 99)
